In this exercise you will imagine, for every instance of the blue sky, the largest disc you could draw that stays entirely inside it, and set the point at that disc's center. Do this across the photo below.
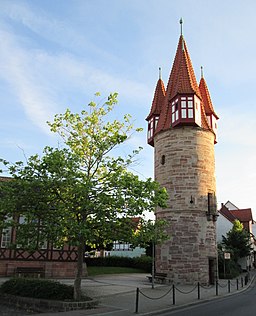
(57, 54)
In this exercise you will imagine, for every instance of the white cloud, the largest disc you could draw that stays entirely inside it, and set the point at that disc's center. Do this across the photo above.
(17, 68)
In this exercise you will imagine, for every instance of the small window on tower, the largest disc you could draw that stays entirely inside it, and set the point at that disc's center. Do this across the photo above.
(163, 160)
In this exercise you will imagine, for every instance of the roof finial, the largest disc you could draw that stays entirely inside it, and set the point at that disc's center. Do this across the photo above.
(160, 73)
(202, 72)
(181, 22)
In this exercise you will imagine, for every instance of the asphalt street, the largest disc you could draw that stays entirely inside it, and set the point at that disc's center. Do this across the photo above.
(242, 304)
(11, 311)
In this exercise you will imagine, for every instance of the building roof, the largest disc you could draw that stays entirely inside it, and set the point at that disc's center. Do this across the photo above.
(227, 214)
(243, 215)
(182, 80)
(208, 107)
(158, 99)
(4, 179)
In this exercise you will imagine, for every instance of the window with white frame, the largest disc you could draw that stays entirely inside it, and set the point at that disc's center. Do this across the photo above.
(187, 110)
(175, 111)
(152, 125)
(121, 246)
(150, 128)
(6, 237)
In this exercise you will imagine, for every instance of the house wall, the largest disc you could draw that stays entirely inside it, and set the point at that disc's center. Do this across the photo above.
(222, 227)
(136, 252)
(52, 269)
(231, 206)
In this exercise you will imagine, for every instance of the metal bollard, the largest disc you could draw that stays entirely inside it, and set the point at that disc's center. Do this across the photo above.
(173, 294)
(137, 301)
(198, 290)
(228, 286)
(217, 288)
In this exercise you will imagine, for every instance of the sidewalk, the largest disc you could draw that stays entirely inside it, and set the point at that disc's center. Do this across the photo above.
(117, 295)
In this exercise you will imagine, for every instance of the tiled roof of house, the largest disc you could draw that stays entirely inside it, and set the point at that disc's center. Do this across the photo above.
(227, 213)
(158, 100)
(4, 179)
(243, 215)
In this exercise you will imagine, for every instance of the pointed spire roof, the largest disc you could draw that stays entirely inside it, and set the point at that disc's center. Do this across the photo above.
(208, 107)
(182, 78)
(158, 99)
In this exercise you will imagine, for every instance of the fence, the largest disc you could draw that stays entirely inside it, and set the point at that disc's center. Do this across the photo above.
(229, 284)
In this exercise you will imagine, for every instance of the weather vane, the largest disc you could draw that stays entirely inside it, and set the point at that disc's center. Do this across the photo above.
(202, 72)
(181, 22)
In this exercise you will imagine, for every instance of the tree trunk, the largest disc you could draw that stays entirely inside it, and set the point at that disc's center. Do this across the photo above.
(79, 272)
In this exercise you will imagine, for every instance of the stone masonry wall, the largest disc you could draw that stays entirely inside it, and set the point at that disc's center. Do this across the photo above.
(185, 165)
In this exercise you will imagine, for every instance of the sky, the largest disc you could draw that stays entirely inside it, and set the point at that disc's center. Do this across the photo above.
(57, 54)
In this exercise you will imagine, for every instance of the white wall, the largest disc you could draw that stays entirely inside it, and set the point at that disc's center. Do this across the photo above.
(222, 227)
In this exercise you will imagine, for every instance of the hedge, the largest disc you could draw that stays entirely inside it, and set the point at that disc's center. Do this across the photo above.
(143, 263)
(37, 288)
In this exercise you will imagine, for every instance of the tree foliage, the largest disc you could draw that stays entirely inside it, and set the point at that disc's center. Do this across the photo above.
(237, 241)
(83, 191)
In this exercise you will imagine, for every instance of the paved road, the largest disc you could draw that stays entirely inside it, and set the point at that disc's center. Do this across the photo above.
(11, 311)
(235, 305)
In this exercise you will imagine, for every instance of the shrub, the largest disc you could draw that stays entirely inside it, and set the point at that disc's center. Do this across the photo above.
(37, 288)
(144, 263)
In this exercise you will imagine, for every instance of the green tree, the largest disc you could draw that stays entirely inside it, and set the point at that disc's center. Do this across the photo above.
(237, 241)
(76, 193)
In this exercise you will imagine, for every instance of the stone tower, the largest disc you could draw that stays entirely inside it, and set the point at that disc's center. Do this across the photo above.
(182, 129)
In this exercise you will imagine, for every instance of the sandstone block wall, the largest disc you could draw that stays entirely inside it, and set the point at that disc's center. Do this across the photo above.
(185, 165)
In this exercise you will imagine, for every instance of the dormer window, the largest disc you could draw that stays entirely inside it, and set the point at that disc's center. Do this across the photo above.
(183, 110)
(187, 110)
(152, 125)
(150, 128)
(175, 110)
(156, 121)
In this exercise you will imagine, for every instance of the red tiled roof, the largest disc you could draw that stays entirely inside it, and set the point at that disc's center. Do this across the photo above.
(158, 100)
(4, 179)
(226, 213)
(206, 98)
(182, 80)
(243, 215)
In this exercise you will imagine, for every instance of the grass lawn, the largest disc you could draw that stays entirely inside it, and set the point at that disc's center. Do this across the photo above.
(112, 270)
